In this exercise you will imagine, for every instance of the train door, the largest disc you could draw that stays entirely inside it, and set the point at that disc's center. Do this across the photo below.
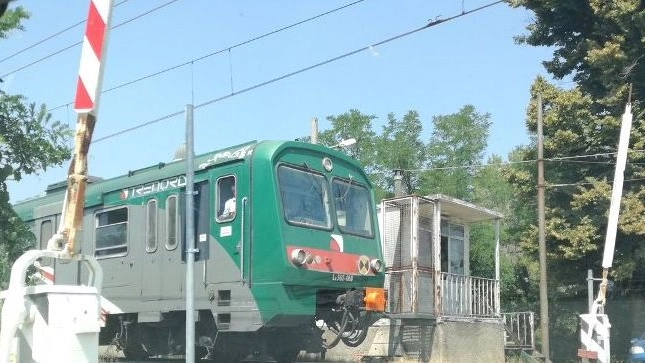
(230, 191)
(162, 274)
(172, 277)
(152, 260)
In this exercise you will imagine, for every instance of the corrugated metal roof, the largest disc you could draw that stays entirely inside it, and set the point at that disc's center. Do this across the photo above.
(466, 211)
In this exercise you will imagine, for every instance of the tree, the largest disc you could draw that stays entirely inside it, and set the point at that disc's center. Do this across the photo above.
(29, 143)
(599, 45)
(12, 20)
(399, 147)
(457, 144)
(354, 124)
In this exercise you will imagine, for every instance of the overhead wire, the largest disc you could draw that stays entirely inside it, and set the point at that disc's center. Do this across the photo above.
(51, 36)
(222, 50)
(430, 24)
(548, 185)
(80, 42)
(567, 159)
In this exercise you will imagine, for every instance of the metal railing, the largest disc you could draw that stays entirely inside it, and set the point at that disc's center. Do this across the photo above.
(519, 327)
(469, 296)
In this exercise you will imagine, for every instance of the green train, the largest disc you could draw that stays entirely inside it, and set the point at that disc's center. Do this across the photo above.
(288, 249)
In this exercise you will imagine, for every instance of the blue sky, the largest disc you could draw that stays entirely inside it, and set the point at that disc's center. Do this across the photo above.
(469, 60)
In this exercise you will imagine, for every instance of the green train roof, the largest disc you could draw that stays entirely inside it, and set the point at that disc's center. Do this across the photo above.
(97, 187)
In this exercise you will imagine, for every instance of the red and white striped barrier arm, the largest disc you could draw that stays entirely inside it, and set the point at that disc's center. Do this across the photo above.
(44, 274)
(91, 69)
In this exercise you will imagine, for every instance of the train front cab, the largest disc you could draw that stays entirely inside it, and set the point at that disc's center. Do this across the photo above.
(316, 250)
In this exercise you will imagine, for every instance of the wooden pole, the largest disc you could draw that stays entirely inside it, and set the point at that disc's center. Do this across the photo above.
(544, 303)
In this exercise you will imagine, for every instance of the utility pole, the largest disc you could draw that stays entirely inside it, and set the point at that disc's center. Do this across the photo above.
(314, 130)
(544, 303)
(190, 239)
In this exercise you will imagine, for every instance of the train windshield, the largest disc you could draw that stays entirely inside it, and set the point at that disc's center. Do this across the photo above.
(352, 203)
(305, 197)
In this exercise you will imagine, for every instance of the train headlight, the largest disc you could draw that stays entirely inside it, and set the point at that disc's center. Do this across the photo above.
(299, 257)
(376, 265)
(327, 164)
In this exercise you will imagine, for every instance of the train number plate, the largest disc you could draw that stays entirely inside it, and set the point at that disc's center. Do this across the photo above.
(342, 277)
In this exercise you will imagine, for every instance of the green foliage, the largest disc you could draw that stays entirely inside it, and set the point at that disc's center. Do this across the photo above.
(578, 189)
(399, 147)
(12, 20)
(15, 237)
(354, 124)
(458, 141)
(599, 44)
(29, 142)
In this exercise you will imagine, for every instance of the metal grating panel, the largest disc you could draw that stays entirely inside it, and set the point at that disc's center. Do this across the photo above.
(424, 233)
(407, 225)
(397, 228)
(399, 285)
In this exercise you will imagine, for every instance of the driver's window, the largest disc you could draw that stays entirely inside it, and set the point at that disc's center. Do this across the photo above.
(305, 199)
(226, 198)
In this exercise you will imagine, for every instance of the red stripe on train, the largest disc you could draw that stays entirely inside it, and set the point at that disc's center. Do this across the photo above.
(333, 261)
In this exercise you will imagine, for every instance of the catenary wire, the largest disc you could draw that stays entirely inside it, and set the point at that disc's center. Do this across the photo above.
(227, 49)
(506, 163)
(138, 126)
(302, 70)
(548, 185)
(51, 36)
(80, 42)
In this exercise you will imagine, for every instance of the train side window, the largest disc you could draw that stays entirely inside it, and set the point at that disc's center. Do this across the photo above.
(172, 222)
(226, 198)
(111, 232)
(151, 225)
(46, 232)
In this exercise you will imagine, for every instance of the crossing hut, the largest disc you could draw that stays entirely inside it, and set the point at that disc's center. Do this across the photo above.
(437, 310)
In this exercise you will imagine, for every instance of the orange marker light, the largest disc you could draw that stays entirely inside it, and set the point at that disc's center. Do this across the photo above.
(375, 299)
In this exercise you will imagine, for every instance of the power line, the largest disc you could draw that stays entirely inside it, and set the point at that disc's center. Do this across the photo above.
(587, 183)
(227, 49)
(587, 155)
(471, 166)
(51, 36)
(138, 126)
(302, 70)
(80, 42)
(567, 159)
